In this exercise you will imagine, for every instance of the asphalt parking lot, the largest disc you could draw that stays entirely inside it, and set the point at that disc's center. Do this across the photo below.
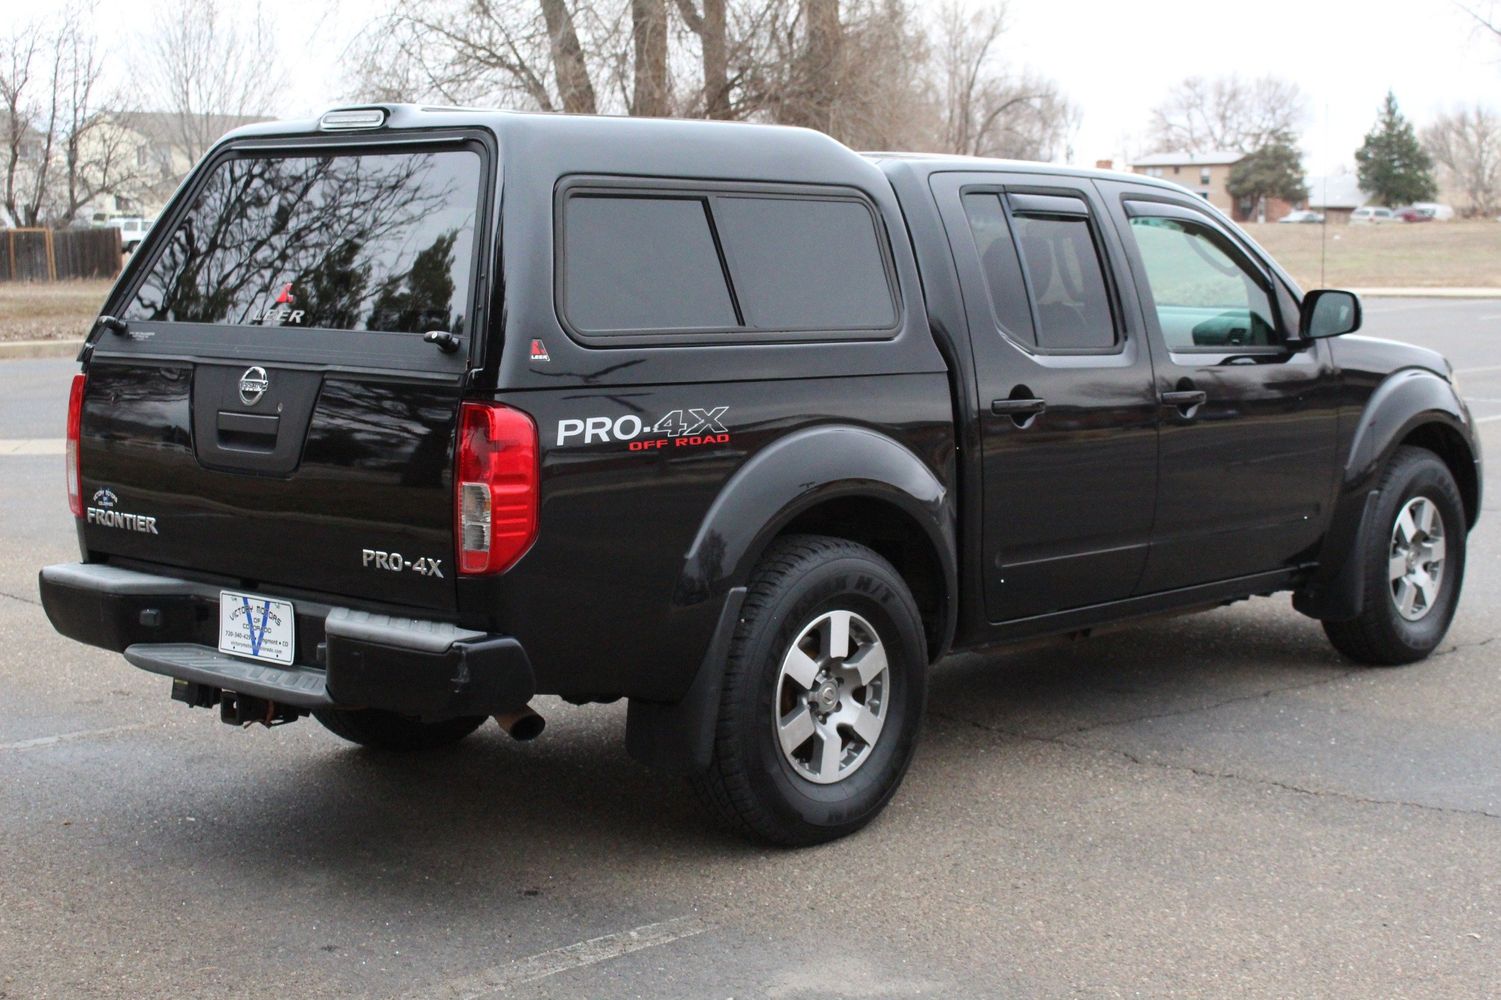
(1208, 806)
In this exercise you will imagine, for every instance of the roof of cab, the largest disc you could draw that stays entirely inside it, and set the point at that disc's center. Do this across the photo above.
(933, 163)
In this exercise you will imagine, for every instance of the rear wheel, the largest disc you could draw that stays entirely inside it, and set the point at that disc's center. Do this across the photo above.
(1414, 564)
(382, 730)
(822, 695)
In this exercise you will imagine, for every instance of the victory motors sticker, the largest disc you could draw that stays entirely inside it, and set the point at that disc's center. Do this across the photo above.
(686, 428)
(103, 513)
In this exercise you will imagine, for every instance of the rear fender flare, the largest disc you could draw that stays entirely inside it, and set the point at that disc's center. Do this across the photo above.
(795, 474)
(781, 481)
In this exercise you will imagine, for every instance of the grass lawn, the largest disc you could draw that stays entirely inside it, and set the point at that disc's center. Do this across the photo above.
(56, 310)
(1427, 254)
(1432, 254)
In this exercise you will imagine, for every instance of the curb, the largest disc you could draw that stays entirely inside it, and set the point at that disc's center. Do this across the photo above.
(14, 349)
(1428, 293)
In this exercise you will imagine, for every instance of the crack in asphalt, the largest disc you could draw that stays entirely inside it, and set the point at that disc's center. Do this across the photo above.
(1205, 708)
(1462, 645)
(1202, 772)
(24, 600)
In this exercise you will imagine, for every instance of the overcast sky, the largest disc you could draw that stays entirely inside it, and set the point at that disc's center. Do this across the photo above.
(1114, 59)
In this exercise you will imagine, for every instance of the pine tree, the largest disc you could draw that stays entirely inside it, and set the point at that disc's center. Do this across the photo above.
(1394, 167)
(1273, 171)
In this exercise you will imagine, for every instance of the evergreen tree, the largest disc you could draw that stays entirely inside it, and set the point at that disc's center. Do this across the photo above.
(1394, 167)
(1273, 171)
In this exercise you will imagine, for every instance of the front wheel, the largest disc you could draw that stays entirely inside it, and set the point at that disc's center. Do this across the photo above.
(1414, 564)
(822, 696)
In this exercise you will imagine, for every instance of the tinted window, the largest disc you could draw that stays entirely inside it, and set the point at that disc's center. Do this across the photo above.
(642, 264)
(353, 242)
(1063, 272)
(1204, 295)
(805, 264)
(999, 265)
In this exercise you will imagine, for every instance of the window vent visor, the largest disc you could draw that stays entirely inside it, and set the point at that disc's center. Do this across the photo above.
(495, 497)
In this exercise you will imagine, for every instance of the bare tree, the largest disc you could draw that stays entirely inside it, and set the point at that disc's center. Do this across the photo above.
(94, 159)
(1467, 143)
(987, 109)
(29, 78)
(209, 68)
(1486, 16)
(710, 25)
(1226, 113)
(861, 70)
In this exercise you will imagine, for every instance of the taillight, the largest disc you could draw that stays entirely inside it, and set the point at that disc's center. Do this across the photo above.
(495, 494)
(75, 420)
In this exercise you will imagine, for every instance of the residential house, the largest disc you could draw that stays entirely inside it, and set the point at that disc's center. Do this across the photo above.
(156, 149)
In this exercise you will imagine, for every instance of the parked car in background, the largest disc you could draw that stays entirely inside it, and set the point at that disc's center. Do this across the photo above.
(133, 230)
(1373, 214)
(1304, 216)
(1425, 211)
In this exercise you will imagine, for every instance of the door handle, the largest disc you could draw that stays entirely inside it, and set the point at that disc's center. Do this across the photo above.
(1017, 407)
(1186, 400)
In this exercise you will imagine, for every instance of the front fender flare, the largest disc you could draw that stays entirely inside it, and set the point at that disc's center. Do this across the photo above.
(1405, 401)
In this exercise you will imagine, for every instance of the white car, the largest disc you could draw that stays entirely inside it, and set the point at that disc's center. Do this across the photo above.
(133, 230)
(1302, 216)
(1371, 214)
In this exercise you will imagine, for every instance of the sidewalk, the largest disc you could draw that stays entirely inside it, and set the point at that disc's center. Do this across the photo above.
(11, 349)
(1428, 293)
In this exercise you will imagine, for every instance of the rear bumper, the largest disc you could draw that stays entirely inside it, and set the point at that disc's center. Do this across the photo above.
(346, 658)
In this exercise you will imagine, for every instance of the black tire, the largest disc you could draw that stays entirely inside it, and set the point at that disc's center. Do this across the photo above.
(1381, 635)
(752, 784)
(381, 730)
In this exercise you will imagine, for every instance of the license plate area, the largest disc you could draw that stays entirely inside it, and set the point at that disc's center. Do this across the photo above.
(256, 627)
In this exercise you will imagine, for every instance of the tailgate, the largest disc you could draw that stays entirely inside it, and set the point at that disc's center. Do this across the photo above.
(272, 412)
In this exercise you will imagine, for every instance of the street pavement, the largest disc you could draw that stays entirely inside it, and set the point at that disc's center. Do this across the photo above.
(1214, 805)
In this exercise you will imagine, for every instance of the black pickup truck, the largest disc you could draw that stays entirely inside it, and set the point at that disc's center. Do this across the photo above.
(405, 415)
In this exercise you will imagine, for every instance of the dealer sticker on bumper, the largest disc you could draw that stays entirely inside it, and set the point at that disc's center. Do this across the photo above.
(257, 627)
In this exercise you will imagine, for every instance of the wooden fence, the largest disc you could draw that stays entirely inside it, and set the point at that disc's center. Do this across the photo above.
(57, 254)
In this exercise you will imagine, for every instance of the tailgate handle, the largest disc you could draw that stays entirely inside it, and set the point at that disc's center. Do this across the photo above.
(247, 431)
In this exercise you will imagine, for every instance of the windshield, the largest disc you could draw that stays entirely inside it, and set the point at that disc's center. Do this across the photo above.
(380, 241)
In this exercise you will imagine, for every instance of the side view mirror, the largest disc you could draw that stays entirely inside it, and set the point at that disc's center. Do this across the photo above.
(1328, 312)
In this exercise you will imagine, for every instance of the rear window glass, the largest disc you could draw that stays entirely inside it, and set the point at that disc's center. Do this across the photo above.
(380, 241)
(805, 263)
(642, 264)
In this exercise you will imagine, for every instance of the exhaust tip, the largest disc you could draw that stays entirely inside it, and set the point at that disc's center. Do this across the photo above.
(522, 725)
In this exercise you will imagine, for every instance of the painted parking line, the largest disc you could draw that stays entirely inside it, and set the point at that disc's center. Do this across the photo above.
(16, 447)
(1477, 371)
(503, 978)
(82, 734)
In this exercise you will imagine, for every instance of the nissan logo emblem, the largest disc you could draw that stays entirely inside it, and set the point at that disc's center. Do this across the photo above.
(253, 385)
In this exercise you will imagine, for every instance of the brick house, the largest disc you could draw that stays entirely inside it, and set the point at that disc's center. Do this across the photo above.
(1208, 176)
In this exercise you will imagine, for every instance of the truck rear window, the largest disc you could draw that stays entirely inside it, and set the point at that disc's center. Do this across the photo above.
(380, 241)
